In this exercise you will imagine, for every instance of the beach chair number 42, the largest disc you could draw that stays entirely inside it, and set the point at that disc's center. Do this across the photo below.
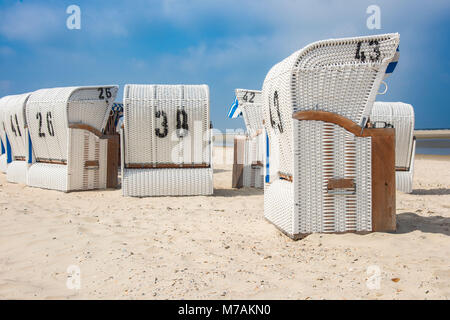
(246, 97)
(274, 123)
(50, 129)
(182, 124)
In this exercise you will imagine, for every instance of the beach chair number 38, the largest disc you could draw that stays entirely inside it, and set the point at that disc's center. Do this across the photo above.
(182, 124)
(50, 129)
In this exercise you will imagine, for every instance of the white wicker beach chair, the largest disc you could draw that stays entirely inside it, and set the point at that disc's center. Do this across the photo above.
(18, 146)
(166, 141)
(65, 126)
(3, 143)
(250, 105)
(401, 117)
(319, 177)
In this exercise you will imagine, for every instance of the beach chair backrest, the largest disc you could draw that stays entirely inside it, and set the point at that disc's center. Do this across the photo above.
(51, 112)
(14, 121)
(166, 125)
(250, 103)
(400, 116)
(339, 75)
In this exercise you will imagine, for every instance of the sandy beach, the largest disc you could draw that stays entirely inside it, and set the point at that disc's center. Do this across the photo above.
(216, 247)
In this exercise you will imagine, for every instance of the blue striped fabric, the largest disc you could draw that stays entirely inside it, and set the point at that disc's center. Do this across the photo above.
(234, 111)
(391, 66)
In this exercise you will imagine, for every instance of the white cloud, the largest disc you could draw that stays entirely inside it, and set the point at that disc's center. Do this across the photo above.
(30, 22)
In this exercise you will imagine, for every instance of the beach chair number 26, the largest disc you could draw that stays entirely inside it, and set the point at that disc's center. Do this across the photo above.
(103, 92)
(50, 129)
(274, 123)
(182, 124)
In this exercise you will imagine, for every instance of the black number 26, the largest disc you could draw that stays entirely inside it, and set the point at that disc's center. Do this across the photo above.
(50, 128)
(103, 92)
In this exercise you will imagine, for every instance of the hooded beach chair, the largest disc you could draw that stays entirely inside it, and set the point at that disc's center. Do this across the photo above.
(166, 141)
(70, 151)
(3, 145)
(326, 171)
(400, 116)
(248, 170)
(18, 146)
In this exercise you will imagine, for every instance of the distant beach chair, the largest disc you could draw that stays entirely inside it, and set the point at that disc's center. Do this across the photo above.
(166, 141)
(3, 154)
(70, 149)
(248, 166)
(401, 117)
(326, 171)
(18, 146)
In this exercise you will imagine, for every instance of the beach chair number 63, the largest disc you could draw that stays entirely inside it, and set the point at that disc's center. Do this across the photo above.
(360, 55)
(17, 126)
(50, 129)
(182, 124)
(273, 123)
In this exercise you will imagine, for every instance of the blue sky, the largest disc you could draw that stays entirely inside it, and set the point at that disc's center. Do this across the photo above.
(225, 44)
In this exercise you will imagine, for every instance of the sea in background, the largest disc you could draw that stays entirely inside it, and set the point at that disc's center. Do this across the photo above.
(423, 146)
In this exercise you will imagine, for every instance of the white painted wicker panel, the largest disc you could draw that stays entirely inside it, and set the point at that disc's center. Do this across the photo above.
(85, 146)
(325, 151)
(91, 105)
(279, 205)
(13, 117)
(48, 176)
(144, 106)
(401, 117)
(167, 182)
(253, 175)
(250, 103)
(404, 179)
(3, 163)
(17, 172)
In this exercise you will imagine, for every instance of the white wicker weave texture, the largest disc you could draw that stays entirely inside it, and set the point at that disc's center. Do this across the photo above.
(341, 76)
(166, 140)
(401, 117)
(13, 117)
(69, 159)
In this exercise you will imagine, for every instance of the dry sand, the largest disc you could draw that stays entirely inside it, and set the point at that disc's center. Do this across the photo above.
(217, 247)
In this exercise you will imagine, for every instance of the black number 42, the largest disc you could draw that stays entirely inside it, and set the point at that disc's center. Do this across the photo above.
(246, 97)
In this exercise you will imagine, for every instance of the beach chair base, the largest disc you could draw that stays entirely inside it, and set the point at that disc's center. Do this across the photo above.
(404, 180)
(3, 163)
(167, 182)
(17, 172)
(48, 176)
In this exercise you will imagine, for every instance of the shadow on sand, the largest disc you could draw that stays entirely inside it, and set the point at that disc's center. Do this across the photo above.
(409, 222)
(238, 192)
(427, 192)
